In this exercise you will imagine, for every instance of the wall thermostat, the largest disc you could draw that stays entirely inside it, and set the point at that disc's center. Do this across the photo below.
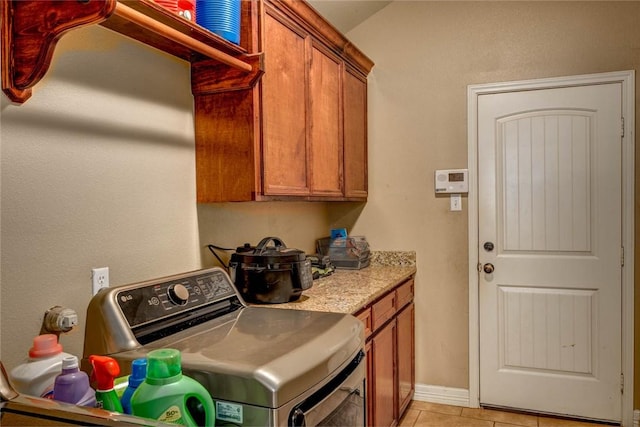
(452, 181)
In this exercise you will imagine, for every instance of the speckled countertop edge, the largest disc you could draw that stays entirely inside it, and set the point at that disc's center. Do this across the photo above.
(348, 291)
(393, 258)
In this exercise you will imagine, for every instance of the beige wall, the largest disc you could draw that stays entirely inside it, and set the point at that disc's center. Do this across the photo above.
(97, 170)
(297, 224)
(426, 53)
(98, 167)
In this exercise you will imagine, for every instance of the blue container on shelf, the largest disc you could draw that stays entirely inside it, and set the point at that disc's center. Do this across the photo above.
(221, 17)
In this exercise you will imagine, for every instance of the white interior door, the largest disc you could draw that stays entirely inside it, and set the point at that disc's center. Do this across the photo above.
(549, 212)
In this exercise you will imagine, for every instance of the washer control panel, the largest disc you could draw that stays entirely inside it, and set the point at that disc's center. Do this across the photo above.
(149, 302)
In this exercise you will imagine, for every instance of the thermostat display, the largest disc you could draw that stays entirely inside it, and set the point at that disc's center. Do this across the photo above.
(452, 181)
(456, 177)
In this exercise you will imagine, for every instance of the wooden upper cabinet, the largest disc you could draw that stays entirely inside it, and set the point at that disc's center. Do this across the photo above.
(300, 133)
(226, 143)
(325, 123)
(284, 105)
(355, 135)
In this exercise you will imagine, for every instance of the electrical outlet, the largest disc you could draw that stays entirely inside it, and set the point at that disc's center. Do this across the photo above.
(456, 202)
(99, 279)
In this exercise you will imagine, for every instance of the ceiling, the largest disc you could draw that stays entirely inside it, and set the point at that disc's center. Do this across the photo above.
(347, 14)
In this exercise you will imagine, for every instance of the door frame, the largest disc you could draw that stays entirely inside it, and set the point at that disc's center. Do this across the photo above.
(626, 79)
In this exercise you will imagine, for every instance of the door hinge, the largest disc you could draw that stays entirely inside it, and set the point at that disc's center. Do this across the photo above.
(622, 256)
(622, 127)
(622, 383)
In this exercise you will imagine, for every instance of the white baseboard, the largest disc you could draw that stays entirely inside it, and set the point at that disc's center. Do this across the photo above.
(442, 395)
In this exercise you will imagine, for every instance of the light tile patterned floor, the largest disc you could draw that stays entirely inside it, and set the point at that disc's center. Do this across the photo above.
(424, 414)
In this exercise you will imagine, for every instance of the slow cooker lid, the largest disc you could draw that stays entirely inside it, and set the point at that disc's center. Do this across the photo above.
(264, 253)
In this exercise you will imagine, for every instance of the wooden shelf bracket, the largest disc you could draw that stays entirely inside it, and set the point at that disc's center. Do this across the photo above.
(30, 31)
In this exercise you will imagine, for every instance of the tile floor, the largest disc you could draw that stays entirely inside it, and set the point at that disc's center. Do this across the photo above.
(424, 414)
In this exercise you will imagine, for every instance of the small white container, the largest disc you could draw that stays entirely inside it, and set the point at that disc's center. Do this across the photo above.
(37, 375)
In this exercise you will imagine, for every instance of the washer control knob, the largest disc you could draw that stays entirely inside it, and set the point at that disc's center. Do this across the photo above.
(178, 294)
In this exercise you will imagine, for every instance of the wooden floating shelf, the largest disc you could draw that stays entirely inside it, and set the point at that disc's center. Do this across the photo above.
(31, 29)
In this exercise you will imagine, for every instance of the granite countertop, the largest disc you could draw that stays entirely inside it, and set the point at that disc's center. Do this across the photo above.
(347, 291)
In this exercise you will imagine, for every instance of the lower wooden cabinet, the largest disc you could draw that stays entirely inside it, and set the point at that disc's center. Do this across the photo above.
(369, 352)
(405, 344)
(384, 378)
(390, 325)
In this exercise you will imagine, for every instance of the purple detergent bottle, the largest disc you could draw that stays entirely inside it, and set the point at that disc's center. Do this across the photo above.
(72, 385)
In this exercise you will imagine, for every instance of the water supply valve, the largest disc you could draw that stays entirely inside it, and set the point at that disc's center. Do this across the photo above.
(58, 320)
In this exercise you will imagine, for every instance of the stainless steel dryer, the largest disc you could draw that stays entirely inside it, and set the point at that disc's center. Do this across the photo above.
(263, 366)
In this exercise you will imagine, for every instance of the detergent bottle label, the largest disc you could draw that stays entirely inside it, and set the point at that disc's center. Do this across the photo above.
(171, 415)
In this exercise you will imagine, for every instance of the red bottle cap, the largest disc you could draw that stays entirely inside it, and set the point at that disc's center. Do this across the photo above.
(105, 370)
(44, 346)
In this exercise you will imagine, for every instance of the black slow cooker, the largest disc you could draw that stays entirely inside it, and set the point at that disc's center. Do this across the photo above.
(270, 274)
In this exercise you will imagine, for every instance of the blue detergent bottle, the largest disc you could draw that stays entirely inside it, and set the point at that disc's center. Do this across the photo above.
(138, 374)
(168, 396)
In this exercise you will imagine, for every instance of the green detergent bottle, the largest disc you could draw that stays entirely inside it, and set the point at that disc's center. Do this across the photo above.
(168, 396)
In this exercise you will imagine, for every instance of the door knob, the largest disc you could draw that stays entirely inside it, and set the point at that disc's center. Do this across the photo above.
(488, 268)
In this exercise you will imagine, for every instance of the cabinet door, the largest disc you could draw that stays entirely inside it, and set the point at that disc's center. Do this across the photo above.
(226, 137)
(406, 356)
(325, 99)
(284, 103)
(384, 376)
(369, 397)
(355, 135)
